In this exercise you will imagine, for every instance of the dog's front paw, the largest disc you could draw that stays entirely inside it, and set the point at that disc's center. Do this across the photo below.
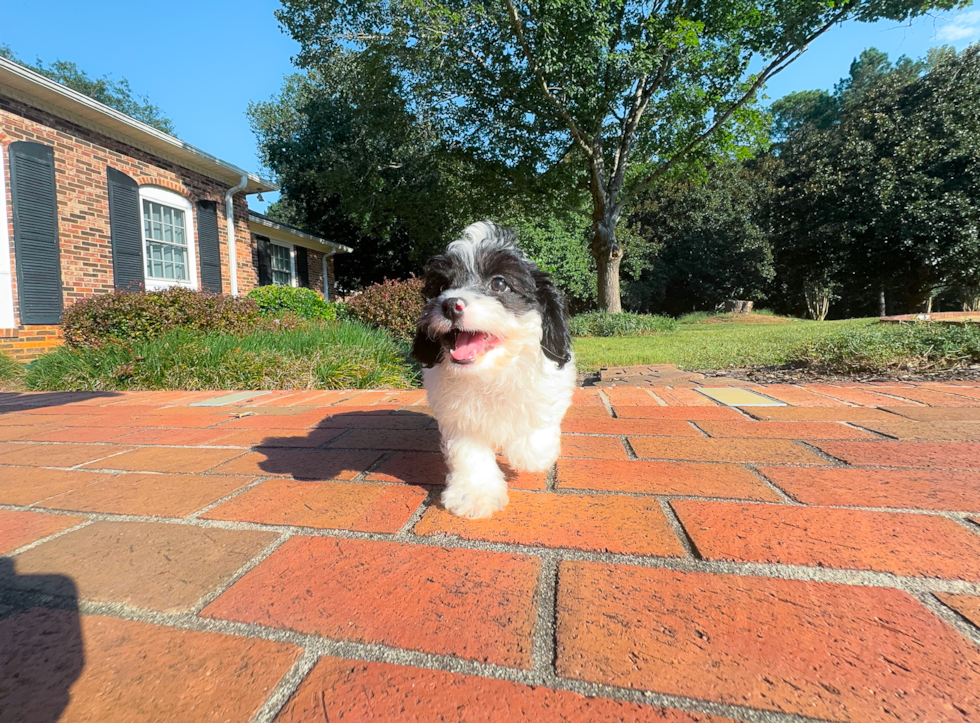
(473, 502)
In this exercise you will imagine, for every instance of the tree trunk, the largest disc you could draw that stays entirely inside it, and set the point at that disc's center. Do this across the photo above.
(882, 309)
(608, 255)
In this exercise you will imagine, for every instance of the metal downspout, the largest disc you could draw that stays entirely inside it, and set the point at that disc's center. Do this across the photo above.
(230, 230)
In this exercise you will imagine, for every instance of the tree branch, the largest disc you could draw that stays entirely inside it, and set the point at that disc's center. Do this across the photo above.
(768, 72)
(577, 134)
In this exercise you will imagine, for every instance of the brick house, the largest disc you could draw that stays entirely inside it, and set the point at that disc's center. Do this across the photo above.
(92, 200)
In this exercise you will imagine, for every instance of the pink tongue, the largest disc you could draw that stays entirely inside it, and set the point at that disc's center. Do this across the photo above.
(469, 344)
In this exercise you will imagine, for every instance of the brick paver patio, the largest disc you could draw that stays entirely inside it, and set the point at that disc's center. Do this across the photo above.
(283, 557)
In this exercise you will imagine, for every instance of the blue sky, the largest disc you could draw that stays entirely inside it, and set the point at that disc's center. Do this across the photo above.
(202, 62)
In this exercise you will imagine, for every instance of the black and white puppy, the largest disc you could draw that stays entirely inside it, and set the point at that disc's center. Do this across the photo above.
(496, 352)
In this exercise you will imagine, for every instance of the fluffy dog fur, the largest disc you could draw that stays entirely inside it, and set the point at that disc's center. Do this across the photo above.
(496, 352)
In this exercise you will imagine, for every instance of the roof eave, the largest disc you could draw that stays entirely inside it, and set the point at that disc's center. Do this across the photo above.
(35, 89)
(270, 227)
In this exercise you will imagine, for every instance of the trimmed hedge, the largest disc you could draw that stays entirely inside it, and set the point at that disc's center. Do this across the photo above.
(393, 305)
(304, 303)
(123, 317)
(600, 323)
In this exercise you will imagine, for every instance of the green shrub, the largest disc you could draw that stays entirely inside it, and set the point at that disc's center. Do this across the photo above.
(600, 323)
(393, 305)
(915, 347)
(122, 317)
(320, 355)
(304, 303)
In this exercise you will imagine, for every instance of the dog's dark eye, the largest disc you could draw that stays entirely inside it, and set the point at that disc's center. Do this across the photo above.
(498, 284)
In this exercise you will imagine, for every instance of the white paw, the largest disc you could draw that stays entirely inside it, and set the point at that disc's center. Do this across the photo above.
(474, 502)
(537, 452)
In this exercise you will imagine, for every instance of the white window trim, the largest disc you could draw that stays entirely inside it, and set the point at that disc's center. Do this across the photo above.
(157, 194)
(293, 280)
(6, 273)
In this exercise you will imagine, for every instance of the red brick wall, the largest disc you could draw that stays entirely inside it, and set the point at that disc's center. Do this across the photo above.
(81, 157)
(27, 342)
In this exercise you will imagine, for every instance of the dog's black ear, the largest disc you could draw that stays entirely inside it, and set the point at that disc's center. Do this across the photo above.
(427, 352)
(556, 341)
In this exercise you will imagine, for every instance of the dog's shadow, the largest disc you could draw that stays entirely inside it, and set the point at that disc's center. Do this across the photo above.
(41, 649)
(403, 445)
(408, 442)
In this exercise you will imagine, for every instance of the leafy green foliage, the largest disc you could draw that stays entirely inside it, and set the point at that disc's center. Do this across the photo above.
(392, 305)
(279, 300)
(602, 323)
(915, 347)
(320, 355)
(358, 166)
(120, 317)
(710, 236)
(555, 242)
(886, 197)
(589, 102)
(116, 94)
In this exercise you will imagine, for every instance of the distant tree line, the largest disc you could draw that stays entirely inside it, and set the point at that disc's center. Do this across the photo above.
(866, 202)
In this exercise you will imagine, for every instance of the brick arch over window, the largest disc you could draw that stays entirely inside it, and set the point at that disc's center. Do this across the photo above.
(178, 188)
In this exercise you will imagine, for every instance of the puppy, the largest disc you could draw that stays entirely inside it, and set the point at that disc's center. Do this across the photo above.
(497, 364)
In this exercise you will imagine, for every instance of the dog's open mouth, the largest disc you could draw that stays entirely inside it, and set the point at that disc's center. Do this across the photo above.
(467, 346)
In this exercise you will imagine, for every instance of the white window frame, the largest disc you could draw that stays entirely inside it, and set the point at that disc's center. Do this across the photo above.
(6, 273)
(293, 280)
(156, 194)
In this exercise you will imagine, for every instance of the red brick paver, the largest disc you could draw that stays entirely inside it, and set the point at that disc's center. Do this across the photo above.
(144, 564)
(609, 523)
(904, 544)
(338, 689)
(683, 562)
(817, 649)
(359, 590)
(763, 451)
(336, 505)
(21, 528)
(122, 671)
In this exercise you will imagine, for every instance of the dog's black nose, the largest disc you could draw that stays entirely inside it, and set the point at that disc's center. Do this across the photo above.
(453, 308)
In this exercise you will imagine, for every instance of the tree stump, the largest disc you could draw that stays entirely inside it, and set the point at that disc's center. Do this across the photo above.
(736, 306)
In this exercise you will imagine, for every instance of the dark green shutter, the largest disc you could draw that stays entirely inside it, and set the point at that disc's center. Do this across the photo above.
(35, 212)
(302, 267)
(207, 246)
(124, 231)
(264, 260)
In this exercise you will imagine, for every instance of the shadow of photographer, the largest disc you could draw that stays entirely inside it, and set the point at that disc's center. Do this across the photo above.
(41, 648)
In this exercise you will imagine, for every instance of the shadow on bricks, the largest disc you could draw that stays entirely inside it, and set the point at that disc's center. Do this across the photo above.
(362, 439)
(41, 650)
(19, 402)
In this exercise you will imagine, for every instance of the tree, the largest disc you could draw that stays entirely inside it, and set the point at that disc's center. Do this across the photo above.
(114, 93)
(356, 165)
(602, 98)
(710, 242)
(885, 195)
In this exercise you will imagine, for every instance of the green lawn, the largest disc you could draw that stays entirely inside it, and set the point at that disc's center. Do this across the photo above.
(703, 345)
